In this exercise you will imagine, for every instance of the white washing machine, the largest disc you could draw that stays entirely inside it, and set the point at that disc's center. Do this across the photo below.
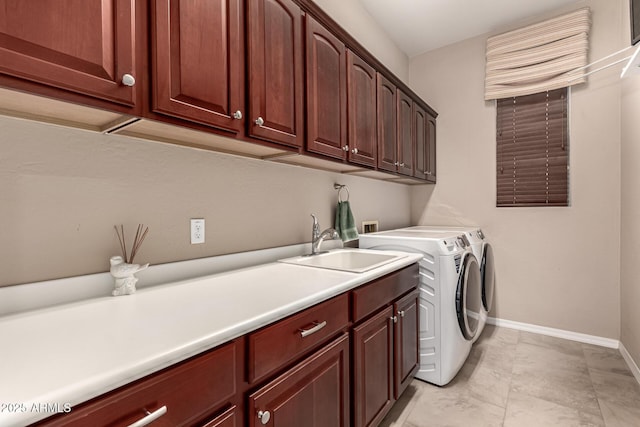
(449, 297)
(483, 252)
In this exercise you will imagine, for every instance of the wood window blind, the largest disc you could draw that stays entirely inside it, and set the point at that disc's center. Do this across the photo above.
(533, 150)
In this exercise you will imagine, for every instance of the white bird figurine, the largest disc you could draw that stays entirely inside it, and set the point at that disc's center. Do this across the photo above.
(124, 275)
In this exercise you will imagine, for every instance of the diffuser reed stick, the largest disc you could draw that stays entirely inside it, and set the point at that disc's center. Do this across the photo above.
(141, 234)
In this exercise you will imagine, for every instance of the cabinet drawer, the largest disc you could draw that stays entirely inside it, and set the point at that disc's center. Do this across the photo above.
(190, 391)
(282, 342)
(369, 298)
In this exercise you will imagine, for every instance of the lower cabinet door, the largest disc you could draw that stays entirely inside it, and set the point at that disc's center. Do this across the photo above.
(373, 369)
(406, 345)
(314, 393)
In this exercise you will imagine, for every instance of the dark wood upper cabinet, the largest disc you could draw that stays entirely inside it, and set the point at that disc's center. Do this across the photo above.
(424, 130)
(387, 125)
(279, 73)
(275, 65)
(83, 46)
(431, 148)
(198, 61)
(362, 114)
(420, 140)
(405, 134)
(326, 91)
(407, 359)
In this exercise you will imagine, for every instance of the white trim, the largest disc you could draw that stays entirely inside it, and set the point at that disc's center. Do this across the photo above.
(558, 333)
(632, 364)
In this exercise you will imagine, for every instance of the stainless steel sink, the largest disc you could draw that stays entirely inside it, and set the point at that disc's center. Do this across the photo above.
(352, 260)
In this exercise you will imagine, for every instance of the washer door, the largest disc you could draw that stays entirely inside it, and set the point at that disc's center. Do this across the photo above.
(468, 296)
(488, 273)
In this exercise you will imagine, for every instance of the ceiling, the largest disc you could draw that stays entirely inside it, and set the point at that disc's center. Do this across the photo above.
(417, 26)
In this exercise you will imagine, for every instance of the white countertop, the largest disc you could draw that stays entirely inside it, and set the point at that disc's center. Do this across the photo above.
(71, 353)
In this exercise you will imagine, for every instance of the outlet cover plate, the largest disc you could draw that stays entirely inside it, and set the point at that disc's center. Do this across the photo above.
(197, 231)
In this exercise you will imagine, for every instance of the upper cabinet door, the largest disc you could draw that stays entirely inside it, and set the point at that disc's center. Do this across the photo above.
(405, 134)
(420, 142)
(326, 92)
(431, 148)
(275, 71)
(84, 46)
(197, 65)
(387, 125)
(361, 95)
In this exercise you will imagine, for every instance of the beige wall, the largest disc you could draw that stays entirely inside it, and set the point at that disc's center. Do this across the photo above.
(630, 219)
(556, 267)
(353, 17)
(63, 190)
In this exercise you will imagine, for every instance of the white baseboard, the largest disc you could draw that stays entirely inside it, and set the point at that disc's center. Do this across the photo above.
(632, 364)
(558, 333)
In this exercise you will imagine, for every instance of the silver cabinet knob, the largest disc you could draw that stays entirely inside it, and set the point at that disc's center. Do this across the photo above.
(345, 148)
(128, 80)
(264, 416)
(237, 115)
(396, 164)
(354, 151)
(428, 173)
(259, 121)
(401, 313)
(394, 318)
(402, 164)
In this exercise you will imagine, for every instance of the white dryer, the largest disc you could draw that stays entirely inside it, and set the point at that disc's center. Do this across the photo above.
(484, 253)
(449, 297)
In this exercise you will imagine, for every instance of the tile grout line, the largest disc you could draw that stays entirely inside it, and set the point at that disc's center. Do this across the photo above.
(513, 367)
(595, 393)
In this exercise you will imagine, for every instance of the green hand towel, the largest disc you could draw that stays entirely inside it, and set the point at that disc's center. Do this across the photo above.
(345, 225)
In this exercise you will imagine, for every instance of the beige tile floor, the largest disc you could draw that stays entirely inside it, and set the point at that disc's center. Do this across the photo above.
(519, 379)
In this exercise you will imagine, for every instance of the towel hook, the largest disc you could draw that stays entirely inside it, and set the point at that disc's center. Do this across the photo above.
(341, 187)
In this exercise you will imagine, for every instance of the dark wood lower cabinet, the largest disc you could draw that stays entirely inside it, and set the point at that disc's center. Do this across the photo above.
(314, 393)
(406, 345)
(373, 368)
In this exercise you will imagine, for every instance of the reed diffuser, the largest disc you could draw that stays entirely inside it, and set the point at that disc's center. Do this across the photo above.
(122, 268)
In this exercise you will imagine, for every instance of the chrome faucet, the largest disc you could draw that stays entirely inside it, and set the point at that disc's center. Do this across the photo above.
(317, 237)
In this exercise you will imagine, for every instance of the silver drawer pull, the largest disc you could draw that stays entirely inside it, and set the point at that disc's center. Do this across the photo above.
(151, 417)
(316, 328)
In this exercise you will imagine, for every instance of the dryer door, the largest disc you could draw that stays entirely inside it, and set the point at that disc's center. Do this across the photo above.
(488, 273)
(468, 296)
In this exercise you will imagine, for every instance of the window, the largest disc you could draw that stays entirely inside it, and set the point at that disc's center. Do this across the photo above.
(533, 150)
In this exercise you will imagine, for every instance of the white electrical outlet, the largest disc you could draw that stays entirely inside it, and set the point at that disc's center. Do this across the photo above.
(197, 230)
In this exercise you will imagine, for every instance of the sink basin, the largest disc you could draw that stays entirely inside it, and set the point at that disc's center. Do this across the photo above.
(352, 260)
